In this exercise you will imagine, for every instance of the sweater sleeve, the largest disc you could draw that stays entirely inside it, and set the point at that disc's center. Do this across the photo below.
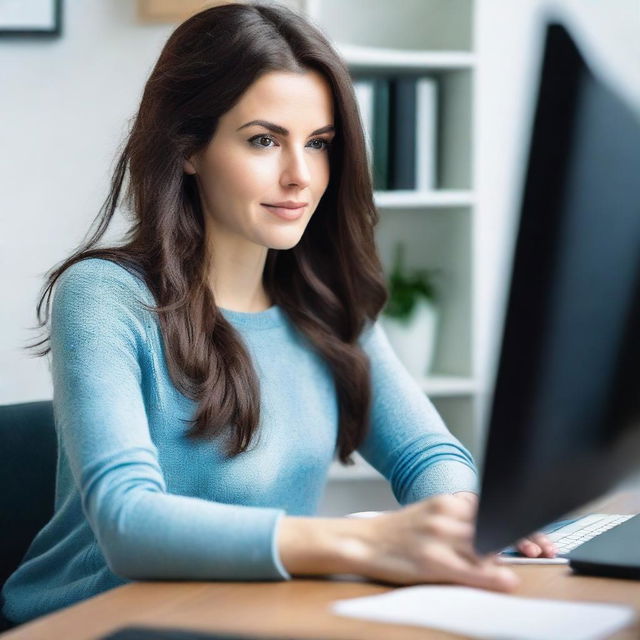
(98, 334)
(408, 443)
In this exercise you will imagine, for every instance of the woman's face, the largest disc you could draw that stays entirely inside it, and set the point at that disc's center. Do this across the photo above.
(248, 167)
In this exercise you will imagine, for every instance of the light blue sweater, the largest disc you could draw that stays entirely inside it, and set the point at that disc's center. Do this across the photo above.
(135, 499)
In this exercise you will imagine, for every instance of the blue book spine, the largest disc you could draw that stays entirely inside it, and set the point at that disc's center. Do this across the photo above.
(403, 133)
(381, 134)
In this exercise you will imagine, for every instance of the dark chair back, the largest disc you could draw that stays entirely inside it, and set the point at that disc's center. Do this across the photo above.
(28, 450)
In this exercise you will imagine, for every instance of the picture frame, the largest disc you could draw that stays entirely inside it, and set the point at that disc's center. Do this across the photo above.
(173, 11)
(31, 18)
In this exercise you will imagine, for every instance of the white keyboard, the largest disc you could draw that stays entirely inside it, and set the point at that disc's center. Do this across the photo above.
(567, 535)
(571, 535)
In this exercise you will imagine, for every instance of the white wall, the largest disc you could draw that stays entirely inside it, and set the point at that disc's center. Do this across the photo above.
(508, 40)
(63, 112)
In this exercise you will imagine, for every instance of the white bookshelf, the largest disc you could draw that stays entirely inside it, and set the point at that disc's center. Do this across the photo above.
(437, 227)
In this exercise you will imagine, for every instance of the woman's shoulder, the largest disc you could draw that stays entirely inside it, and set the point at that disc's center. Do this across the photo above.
(101, 273)
(100, 285)
(372, 333)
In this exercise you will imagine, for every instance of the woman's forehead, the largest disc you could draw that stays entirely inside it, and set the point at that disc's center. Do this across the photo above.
(285, 98)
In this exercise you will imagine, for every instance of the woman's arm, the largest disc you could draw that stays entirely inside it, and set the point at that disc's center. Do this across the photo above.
(98, 341)
(407, 441)
(431, 540)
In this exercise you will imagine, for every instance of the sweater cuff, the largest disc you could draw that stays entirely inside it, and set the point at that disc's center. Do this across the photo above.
(275, 552)
(448, 476)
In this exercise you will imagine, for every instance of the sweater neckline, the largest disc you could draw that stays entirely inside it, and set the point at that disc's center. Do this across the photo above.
(271, 317)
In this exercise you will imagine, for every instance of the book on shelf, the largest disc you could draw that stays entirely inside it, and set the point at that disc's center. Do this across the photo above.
(426, 133)
(365, 96)
(400, 120)
(402, 131)
(381, 134)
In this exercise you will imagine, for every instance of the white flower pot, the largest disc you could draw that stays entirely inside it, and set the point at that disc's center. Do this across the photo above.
(414, 341)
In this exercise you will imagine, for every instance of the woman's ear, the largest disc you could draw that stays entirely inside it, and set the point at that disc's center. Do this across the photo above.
(189, 167)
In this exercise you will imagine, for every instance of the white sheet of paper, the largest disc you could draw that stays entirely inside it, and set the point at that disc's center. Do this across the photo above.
(485, 614)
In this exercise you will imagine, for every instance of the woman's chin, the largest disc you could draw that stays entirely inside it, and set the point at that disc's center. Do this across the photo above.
(282, 242)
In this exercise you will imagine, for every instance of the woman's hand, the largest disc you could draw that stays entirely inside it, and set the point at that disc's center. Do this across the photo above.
(429, 541)
(536, 546)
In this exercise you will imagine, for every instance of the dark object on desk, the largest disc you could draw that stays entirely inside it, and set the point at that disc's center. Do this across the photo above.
(28, 451)
(616, 554)
(565, 420)
(159, 633)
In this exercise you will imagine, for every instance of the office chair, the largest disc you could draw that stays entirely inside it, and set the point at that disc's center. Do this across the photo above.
(28, 451)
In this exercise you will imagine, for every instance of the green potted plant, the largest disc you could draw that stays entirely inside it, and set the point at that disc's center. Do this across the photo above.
(410, 317)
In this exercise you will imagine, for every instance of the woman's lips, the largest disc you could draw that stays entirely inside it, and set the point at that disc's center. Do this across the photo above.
(285, 213)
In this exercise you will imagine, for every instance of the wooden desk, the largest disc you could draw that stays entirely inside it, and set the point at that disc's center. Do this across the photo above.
(299, 608)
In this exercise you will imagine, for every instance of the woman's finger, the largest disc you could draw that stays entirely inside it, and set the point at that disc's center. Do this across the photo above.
(537, 545)
(548, 548)
(480, 573)
(529, 548)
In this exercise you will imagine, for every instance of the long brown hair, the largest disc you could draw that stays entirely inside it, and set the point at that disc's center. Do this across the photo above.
(329, 285)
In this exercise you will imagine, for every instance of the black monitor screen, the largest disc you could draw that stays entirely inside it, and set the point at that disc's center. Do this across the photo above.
(565, 419)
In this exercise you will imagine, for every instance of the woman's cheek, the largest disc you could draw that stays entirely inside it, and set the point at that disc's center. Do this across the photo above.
(260, 175)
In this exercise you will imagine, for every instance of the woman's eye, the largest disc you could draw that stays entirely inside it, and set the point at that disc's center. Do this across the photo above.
(325, 144)
(257, 140)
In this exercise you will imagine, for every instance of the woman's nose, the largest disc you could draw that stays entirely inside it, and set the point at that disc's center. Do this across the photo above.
(296, 170)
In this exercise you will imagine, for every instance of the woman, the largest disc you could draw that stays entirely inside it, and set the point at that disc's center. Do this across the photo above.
(207, 369)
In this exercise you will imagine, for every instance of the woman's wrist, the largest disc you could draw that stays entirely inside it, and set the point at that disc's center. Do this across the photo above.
(320, 546)
(468, 495)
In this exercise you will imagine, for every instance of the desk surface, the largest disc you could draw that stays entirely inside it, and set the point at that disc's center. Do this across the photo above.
(299, 608)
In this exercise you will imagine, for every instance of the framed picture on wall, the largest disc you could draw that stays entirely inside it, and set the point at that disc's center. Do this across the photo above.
(41, 18)
(174, 11)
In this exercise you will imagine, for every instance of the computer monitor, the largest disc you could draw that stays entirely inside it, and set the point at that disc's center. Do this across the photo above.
(564, 422)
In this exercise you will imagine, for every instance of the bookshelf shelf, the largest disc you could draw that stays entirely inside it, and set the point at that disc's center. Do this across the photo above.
(414, 199)
(448, 386)
(358, 57)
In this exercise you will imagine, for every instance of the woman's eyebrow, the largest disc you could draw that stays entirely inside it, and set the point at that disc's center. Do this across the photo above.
(282, 131)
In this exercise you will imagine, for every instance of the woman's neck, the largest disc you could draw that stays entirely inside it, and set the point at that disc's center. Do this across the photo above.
(235, 276)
